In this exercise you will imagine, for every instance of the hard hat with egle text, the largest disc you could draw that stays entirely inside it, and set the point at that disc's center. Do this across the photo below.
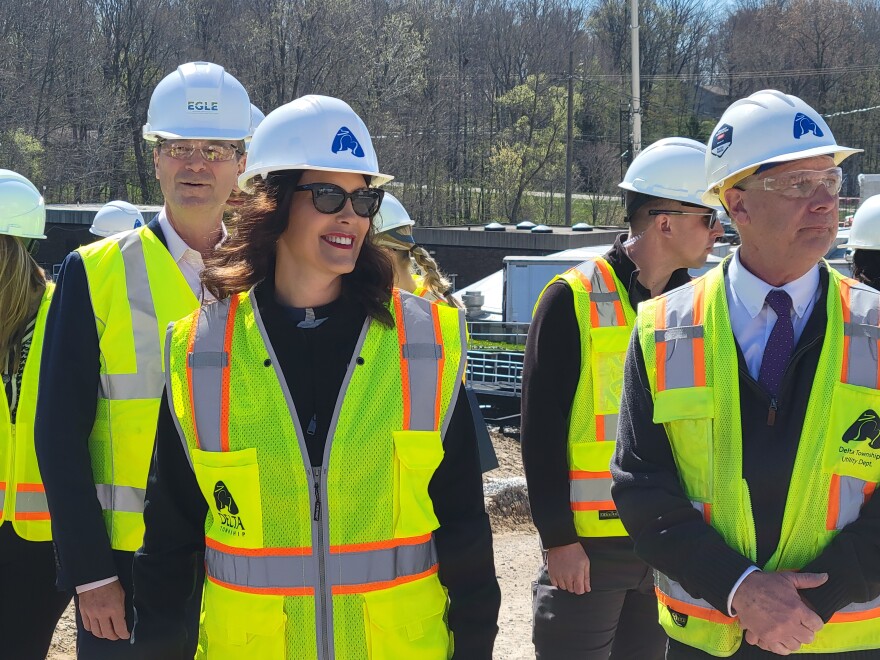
(198, 101)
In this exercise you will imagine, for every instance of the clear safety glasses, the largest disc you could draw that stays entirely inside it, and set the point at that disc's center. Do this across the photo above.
(211, 153)
(709, 216)
(799, 184)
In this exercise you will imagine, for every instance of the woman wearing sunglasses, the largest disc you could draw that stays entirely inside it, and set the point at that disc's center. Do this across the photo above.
(317, 455)
(394, 233)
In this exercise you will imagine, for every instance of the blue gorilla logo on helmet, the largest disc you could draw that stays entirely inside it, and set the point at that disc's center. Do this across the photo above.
(804, 125)
(346, 141)
(137, 223)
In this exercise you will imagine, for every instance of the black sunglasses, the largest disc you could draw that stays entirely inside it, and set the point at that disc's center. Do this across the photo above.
(330, 198)
(709, 216)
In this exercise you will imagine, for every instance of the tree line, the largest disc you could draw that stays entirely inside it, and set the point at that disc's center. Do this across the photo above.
(466, 100)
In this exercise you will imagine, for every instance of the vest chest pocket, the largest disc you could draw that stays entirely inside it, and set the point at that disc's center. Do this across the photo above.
(688, 415)
(852, 445)
(407, 621)
(416, 456)
(242, 626)
(230, 484)
(607, 356)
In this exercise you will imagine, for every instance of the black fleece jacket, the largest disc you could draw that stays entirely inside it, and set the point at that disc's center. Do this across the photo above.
(670, 535)
(168, 569)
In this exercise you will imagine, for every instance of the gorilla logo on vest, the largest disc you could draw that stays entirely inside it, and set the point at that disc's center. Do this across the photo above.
(346, 141)
(227, 510)
(804, 125)
(866, 427)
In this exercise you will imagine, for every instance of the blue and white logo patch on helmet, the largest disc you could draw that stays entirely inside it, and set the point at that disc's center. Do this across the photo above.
(346, 141)
(803, 125)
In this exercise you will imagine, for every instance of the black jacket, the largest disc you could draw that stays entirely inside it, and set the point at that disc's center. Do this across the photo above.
(68, 395)
(670, 534)
(168, 569)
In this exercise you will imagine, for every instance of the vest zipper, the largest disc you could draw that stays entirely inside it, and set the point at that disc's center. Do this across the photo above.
(313, 425)
(771, 413)
(322, 568)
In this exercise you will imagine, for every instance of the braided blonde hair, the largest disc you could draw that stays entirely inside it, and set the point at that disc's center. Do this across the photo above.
(435, 281)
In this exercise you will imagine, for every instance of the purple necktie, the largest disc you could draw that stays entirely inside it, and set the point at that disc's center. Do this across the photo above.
(779, 345)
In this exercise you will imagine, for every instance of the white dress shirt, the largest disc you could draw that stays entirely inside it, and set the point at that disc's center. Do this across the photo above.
(752, 321)
(191, 266)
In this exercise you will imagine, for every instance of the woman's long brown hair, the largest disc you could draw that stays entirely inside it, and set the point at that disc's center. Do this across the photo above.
(22, 283)
(248, 255)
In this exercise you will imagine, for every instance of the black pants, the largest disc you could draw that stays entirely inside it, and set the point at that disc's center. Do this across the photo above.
(678, 651)
(617, 619)
(30, 605)
(89, 647)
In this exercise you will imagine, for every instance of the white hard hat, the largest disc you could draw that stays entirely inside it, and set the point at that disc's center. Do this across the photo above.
(865, 231)
(312, 133)
(671, 168)
(115, 217)
(391, 215)
(765, 128)
(22, 210)
(257, 118)
(199, 101)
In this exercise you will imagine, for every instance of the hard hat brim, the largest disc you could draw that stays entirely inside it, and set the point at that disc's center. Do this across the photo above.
(859, 246)
(195, 134)
(244, 181)
(712, 198)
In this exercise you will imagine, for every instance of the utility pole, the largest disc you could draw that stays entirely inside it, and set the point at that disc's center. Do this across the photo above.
(636, 82)
(569, 138)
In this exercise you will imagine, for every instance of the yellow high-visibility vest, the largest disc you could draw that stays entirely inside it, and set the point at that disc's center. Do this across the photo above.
(691, 363)
(605, 322)
(336, 561)
(136, 290)
(22, 495)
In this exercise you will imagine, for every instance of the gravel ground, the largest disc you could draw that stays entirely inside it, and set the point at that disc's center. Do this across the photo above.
(517, 556)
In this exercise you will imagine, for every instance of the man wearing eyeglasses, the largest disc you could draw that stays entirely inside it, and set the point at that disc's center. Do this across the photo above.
(102, 370)
(594, 597)
(745, 468)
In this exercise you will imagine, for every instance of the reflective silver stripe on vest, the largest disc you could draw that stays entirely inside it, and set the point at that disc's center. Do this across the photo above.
(601, 296)
(678, 336)
(852, 497)
(126, 499)
(862, 330)
(590, 490)
(610, 426)
(148, 381)
(31, 502)
(367, 569)
(422, 352)
(674, 590)
(854, 608)
(206, 363)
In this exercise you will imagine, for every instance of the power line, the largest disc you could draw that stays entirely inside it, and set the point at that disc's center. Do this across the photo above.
(851, 112)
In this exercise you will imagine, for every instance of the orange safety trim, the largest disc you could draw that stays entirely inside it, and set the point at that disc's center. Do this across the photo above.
(33, 515)
(224, 384)
(605, 270)
(272, 591)
(586, 474)
(404, 365)
(344, 589)
(852, 617)
(190, 343)
(600, 428)
(690, 609)
(698, 345)
(833, 504)
(844, 299)
(707, 513)
(441, 363)
(868, 490)
(31, 488)
(660, 346)
(258, 552)
(379, 545)
(601, 505)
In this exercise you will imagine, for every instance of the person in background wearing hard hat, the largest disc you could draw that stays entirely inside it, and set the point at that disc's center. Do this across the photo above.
(747, 447)
(29, 602)
(594, 598)
(394, 232)
(116, 217)
(316, 455)
(237, 198)
(102, 370)
(864, 241)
